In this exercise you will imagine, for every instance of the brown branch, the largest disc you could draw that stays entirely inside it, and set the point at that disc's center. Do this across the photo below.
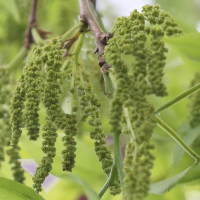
(100, 37)
(32, 23)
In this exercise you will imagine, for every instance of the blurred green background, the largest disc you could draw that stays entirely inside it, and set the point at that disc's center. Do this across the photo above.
(58, 16)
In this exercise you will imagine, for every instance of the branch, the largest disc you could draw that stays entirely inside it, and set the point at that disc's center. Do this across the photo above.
(32, 23)
(100, 37)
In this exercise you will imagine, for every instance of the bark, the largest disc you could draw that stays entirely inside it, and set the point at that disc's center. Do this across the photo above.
(100, 37)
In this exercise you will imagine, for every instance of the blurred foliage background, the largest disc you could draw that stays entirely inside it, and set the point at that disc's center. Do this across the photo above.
(58, 16)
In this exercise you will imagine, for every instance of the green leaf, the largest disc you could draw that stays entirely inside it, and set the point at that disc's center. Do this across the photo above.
(13, 190)
(89, 192)
(190, 174)
(11, 6)
(188, 135)
(188, 44)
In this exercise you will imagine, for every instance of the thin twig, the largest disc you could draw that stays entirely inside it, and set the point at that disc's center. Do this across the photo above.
(31, 24)
(100, 37)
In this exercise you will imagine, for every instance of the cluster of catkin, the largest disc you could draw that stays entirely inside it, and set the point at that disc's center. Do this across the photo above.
(42, 80)
(25, 109)
(130, 112)
(5, 128)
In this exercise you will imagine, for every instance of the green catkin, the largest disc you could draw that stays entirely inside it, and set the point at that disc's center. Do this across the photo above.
(90, 103)
(113, 57)
(48, 148)
(154, 15)
(27, 92)
(68, 154)
(5, 127)
(53, 106)
(194, 104)
(157, 62)
(4, 113)
(130, 36)
(16, 115)
(32, 74)
(137, 170)
(129, 104)
(18, 173)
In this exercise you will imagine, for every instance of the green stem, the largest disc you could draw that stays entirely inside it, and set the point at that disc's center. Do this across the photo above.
(68, 33)
(79, 45)
(126, 113)
(66, 63)
(118, 157)
(76, 55)
(37, 38)
(177, 138)
(17, 60)
(117, 167)
(179, 98)
(111, 178)
(109, 87)
(73, 80)
(117, 149)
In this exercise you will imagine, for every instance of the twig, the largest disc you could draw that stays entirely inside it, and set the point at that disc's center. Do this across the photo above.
(100, 37)
(31, 24)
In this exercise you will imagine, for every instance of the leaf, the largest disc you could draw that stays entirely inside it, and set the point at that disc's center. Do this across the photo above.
(89, 192)
(11, 6)
(188, 44)
(188, 135)
(13, 190)
(190, 174)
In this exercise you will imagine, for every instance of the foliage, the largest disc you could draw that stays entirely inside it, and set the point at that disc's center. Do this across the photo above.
(61, 88)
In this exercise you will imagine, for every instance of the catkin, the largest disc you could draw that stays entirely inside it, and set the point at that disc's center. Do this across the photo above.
(145, 77)
(90, 103)
(49, 150)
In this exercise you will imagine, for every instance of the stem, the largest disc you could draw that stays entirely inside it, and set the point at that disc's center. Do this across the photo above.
(179, 98)
(111, 178)
(72, 83)
(37, 38)
(17, 60)
(109, 87)
(117, 150)
(100, 37)
(68, 33)
(126, 113)
(79, 45)
(118, 157)
(33, 12)
(177, 138)
(31, 23)
(66, 63)
(88, 18)
(117, 167)
(76, 55)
